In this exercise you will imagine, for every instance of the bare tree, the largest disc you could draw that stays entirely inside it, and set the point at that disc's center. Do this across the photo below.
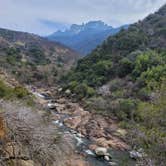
(31, 138)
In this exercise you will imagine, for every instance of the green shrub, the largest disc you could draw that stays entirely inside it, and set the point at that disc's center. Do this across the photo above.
(83, 90)
(90, 92)
(124, 124)
(125, 67)
(144, 94)
(125, 109)
(146, 61)
(102, 67)
(150, 126)
(38, 56)
(12, 51)
(118, 93)
(5, 91)
(116, 84)
(154, 75)
(97, 104)
(20, 92)
(73, 85)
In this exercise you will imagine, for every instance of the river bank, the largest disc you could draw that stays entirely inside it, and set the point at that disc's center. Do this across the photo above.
(89, 131)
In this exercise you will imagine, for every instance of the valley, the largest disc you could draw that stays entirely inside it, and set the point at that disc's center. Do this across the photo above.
(89, 131)
(105, 109)
(83, 132)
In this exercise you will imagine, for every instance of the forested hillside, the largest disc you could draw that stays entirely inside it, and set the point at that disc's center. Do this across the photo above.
(32, 58)
(122, 50)
(125, 77)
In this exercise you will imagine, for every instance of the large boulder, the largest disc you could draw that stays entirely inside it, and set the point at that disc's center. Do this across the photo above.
(68, 92)
(114, 142)
(100, 151)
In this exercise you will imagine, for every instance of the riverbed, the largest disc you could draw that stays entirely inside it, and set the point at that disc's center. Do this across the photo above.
(62, 118)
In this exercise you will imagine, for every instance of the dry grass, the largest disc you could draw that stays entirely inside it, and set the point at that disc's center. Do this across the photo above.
(29, 137)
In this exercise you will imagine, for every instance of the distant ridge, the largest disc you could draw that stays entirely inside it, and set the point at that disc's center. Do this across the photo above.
(32, 58)
(84, 38)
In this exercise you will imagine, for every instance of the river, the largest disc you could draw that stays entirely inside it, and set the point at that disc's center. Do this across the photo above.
(118, 157)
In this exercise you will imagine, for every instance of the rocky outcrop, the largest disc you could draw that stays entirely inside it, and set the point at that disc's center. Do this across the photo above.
(72, 122)
(102, 152)
(102, 130)
(113, 142)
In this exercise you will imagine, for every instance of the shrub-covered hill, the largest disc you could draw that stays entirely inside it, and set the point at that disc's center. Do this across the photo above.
(27, 134)
(125, 77)
(32, 58)
(129, 53)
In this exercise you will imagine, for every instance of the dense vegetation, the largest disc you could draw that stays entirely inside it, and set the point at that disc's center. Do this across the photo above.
(117, 55)
(149, 127)
(126, 77)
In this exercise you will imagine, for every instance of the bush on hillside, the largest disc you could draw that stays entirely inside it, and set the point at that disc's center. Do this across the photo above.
(82, 90)
(146, 61)
(149, 130)
(126, 109)
(125, 67)
(38, 55)
(5, 91)
(20, 92)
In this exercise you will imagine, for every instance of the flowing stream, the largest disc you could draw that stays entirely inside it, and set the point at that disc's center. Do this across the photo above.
(120, 158)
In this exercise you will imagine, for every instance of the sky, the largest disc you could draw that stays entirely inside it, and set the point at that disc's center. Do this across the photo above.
(44, 17)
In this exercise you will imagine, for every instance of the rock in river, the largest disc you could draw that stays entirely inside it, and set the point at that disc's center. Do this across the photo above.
(68, 92)
(135, 155)
(100, 151)
(107, 158)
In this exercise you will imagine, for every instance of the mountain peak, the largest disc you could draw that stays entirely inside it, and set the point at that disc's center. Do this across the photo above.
(85, 37)
(162, 10)
(97, 24)
(91, 25)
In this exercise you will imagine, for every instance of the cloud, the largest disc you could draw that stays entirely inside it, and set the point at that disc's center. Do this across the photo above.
(42, 16)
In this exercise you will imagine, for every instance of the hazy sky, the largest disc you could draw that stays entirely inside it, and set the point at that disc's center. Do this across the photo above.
(46, 16)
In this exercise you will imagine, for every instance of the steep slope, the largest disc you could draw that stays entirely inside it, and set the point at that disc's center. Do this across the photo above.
(125, 46)
(125, 77)
(27, 134)
(84, 38)
(32, 58)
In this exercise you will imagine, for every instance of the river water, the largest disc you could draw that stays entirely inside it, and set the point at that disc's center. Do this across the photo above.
(121, 158)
